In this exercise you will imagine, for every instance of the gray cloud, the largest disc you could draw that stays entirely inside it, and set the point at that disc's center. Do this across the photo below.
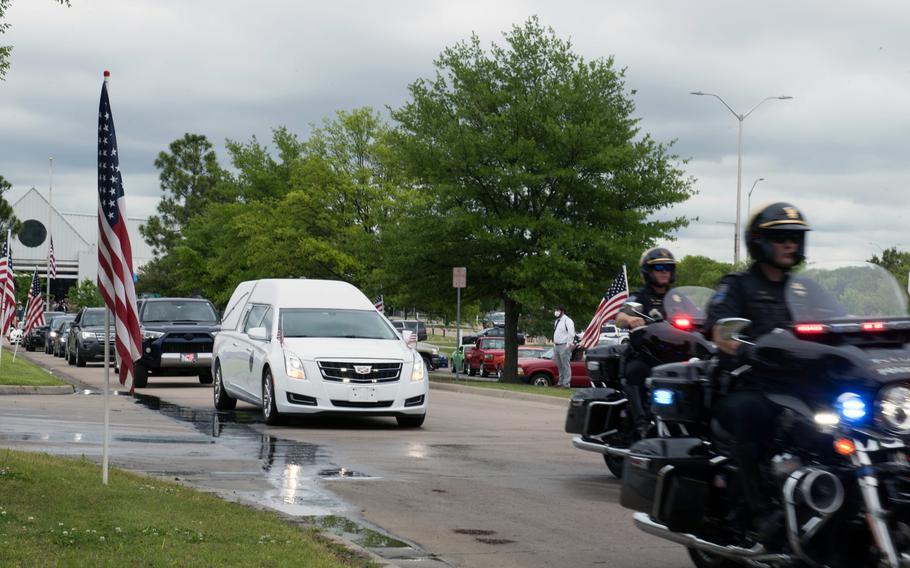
(226, 70)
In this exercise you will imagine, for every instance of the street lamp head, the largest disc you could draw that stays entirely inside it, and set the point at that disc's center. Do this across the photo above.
(699, 93)
(784, 97)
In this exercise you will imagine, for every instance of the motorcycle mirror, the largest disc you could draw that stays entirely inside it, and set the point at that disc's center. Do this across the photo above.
(729, 328)
(631, 308)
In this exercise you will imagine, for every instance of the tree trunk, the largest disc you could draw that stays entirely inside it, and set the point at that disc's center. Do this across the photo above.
(510, 371)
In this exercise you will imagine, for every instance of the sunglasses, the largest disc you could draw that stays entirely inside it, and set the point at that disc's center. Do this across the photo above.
(662, 267)
(781, 237)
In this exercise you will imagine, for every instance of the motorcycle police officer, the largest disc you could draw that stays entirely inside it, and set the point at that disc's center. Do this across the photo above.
(658, 272)
(776, 241)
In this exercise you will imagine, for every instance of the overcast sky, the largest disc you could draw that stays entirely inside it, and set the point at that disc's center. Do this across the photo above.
(232, 69)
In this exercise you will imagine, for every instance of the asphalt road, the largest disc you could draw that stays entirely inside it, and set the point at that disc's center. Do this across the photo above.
(487, 482)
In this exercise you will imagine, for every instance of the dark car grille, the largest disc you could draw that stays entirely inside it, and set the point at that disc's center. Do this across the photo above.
(358, 404)
(345, 373)
(187, 343)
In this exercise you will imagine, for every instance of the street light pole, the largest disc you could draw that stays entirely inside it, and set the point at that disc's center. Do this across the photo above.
(739, 161)
(749, 200)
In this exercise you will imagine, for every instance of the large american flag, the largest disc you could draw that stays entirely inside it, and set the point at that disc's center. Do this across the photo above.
(615, 297)
(7, 289)
(380, 306)
(51, 260)
(115, 256)
(34, 312)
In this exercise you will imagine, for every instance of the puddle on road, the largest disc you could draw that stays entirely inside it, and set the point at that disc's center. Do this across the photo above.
(342, 473)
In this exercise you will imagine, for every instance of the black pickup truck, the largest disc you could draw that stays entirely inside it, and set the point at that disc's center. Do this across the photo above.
(177, 338)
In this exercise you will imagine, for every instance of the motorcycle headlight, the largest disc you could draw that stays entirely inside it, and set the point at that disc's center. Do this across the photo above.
(894, 409)
(418, 372)
(293, 366)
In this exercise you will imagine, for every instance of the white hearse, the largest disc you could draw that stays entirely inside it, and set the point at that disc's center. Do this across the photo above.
(299, 346)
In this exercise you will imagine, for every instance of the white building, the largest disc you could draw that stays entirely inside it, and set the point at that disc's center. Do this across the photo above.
(75, 241)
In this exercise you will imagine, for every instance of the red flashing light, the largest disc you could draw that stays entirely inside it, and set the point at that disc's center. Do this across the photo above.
(811, 328)
(873, 326)
(684, 324)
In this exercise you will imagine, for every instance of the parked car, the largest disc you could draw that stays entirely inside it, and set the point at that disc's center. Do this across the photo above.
(54, 328)
(542, 371)
(62, 338)
(459, 358)
(301, 346)
(480, 359)
(85, 339)
(430, 353)
(490, 332)
(612, 335)
(177, 338)
(499, 360)
(494, 319)
(37, 337)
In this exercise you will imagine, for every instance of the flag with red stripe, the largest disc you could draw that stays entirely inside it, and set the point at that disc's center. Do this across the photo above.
(7, 289)
(51, 260)
(115, 256)
(615, 297)
(34, 312)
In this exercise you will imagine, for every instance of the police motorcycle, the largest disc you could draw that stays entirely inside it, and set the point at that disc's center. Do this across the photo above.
(598, 416)
(838, 466)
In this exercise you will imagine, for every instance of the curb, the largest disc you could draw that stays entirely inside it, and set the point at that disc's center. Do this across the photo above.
(27, 389)
(62, 375)
(495, 393)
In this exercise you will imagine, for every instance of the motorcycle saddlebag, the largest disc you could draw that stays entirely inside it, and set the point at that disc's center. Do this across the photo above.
(678, 391)
(668, 479)
(590, 410)
(602, 363)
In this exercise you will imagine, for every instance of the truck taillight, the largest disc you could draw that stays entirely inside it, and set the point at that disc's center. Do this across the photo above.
(684, 324)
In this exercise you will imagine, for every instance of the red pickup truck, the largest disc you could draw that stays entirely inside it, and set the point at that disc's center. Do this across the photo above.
(482, 358)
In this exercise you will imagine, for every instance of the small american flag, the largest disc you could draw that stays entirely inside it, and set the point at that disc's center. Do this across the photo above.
(51, 260)
(616, 295)
(34, 313)
(115, 256)
(7, 289)
(380, 307)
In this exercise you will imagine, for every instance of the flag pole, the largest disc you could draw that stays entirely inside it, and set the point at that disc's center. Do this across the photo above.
(50, 232)
(105, 458)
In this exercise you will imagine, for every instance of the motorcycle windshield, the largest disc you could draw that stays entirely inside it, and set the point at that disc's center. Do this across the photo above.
(844, 290)
(687, 303)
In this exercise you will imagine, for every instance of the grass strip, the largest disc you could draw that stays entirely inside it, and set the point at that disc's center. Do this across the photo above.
(55, 512)
(22, 372)
(514, 387)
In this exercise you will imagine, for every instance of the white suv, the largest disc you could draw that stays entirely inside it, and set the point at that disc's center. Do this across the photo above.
(612, 335)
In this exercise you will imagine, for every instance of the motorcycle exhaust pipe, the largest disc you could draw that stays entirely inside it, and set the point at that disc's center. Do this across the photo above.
(820, 490)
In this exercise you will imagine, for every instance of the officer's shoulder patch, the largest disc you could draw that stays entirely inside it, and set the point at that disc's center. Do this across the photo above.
(720, 293)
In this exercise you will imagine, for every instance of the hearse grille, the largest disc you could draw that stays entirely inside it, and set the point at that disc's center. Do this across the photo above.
(362, 404)
(360, 373)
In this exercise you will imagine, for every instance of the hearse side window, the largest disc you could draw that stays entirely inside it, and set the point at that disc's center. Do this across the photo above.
(253, 317)
(267, 322)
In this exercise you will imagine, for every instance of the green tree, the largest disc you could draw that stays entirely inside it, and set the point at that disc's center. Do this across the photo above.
(8, 220)
(896, 262)
(191, 179)
(695, 270)
(85, 294)
(6, 50)
(528, 167)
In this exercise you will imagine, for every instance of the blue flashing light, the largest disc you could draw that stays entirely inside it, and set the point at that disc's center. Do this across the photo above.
(851, 406)
(662, 396)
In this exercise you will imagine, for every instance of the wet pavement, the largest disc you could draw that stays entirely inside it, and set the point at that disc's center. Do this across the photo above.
(486, 482)
(213, 451)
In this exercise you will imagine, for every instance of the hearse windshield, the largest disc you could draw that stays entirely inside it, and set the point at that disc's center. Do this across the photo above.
(353, 324)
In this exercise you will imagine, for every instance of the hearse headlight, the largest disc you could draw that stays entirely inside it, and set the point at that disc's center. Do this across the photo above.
(894, 409)
(293, 366)
(418, 371)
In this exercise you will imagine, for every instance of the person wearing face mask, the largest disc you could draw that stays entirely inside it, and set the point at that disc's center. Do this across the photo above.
(563, 345)
(658, 272)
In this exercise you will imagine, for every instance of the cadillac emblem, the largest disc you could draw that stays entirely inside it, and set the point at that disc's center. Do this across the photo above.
(363, 369)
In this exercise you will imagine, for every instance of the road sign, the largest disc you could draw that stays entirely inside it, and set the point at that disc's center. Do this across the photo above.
(459, 277)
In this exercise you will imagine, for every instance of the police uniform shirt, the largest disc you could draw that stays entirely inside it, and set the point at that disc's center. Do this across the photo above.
(750, 295)
(652, 302)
